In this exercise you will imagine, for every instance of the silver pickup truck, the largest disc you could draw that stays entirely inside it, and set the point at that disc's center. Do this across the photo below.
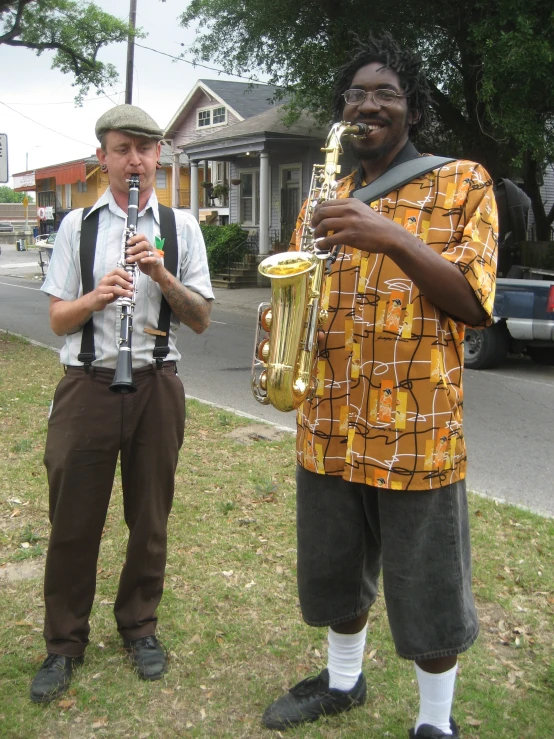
(524, 321)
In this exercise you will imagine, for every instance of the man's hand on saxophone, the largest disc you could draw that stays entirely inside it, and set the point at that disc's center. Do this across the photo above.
(349, 221)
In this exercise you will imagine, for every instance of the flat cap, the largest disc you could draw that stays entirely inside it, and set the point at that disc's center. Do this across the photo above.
(128, 119)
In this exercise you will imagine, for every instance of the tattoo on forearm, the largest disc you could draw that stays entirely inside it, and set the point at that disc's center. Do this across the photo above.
(189, 307)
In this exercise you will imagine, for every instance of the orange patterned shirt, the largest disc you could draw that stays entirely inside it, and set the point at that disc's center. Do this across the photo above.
(388, 406)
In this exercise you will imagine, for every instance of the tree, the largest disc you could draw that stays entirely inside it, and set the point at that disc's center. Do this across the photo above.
(7, 195)
(75, 31)
(490, 62)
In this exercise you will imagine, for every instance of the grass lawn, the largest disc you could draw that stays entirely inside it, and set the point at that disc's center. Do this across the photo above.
(229, 617)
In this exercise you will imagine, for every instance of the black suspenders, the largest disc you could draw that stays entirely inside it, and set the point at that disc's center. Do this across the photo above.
(168, 231)
(87, 249)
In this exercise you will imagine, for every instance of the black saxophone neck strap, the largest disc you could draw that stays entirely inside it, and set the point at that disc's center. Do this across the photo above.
(87, 250)
(407, 166)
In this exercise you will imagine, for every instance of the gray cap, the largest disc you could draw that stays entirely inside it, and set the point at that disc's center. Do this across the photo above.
(128, 119)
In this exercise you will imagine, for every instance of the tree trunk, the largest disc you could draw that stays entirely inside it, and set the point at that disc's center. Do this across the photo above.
(532, 188)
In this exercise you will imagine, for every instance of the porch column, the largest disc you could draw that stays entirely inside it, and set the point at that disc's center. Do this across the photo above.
(264, 203)
(194, 189)
(204, 191)
(176, 180)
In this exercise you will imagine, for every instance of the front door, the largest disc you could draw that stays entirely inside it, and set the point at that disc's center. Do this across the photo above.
(290, 201)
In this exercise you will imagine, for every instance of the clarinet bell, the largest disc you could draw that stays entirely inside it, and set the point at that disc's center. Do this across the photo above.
(123, 377)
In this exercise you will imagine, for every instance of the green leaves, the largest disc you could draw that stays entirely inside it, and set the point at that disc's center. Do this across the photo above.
(75, 31)
(491, 63)
(224, 244)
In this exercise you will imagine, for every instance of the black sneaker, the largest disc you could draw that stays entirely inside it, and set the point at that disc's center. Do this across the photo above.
(430, 732)
(148, 656)
(311, 699)
(53, 678)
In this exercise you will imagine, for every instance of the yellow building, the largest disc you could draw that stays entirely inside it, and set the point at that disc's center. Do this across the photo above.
(79, 183)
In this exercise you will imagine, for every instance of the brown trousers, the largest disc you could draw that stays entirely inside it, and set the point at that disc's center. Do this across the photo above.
(88, 428)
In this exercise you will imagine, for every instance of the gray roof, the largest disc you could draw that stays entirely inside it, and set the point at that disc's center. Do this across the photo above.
(166, 155)
(246, 98)
(268, 123)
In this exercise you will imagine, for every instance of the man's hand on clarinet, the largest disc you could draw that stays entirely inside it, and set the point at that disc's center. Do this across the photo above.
(114, 285)
(149, 260)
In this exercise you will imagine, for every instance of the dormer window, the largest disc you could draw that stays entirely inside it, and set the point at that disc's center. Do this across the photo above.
(218, 116)
(208, 117)
(204, 118)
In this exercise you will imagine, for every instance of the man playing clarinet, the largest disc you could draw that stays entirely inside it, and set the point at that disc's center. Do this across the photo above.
(89, 426)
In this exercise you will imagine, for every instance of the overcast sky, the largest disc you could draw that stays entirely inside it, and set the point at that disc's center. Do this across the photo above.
(32, 90)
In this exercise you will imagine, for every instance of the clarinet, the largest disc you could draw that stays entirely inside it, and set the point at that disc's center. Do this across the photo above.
(123, 378)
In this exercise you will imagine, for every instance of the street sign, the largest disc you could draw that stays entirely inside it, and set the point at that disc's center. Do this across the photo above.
(3, 157)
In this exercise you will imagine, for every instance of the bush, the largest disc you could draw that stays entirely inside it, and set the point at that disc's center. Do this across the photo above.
(224, 244)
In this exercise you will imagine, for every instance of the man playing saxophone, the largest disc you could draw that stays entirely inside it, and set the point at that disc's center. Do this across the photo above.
(89, 426)
(380, 446)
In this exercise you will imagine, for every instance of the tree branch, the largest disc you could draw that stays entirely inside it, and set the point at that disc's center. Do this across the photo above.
(78, 61)
(16, 28)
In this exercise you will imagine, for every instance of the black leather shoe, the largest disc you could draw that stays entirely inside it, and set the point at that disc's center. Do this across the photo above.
(311, 699)
(148, 657)
(53, 678)
(426, 731)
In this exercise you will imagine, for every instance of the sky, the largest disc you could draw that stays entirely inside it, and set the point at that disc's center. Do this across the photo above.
(40, 98)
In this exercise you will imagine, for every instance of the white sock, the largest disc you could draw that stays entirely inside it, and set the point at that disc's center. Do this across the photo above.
(344, 659)
(436, 693)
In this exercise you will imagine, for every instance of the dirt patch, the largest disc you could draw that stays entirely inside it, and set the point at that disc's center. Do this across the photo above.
(256, 432)
(26, 570)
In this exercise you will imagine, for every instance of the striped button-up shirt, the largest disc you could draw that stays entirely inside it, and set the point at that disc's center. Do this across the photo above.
(63, 279)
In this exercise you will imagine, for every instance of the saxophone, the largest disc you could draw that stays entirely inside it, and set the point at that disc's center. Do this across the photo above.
(283, 368)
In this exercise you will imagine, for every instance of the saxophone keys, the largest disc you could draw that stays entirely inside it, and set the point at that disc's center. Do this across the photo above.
(265, 319)
(263, 350)
(262, 381)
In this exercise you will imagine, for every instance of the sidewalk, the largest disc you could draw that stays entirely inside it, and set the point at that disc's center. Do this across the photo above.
(22, 264)
(25, 265)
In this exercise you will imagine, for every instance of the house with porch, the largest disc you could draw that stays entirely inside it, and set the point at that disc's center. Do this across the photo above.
(270, 167)
(212, 106)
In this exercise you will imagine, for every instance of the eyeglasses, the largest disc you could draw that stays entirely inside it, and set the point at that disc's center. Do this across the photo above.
(379, 97)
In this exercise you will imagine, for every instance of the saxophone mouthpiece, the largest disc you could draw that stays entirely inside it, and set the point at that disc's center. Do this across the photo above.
(362, 128)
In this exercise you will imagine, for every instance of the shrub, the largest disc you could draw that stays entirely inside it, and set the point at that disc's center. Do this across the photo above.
(224, 244)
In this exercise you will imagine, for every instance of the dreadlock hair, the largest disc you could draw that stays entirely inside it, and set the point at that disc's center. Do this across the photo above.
(406, 64)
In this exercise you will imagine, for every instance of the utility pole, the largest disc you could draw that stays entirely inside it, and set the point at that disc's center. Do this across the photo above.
(131, 52)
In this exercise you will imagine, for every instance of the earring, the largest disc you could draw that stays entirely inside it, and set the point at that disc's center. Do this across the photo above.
(103, 167)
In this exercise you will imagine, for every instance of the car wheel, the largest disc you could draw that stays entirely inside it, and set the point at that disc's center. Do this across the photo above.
(541, 354)
(486, 348)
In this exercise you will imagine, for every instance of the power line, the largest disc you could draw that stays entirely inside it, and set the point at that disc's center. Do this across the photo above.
(203, 66)
(47, 127)
(72, 102)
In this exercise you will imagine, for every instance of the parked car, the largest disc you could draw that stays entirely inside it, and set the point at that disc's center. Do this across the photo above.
(524, 300)
(46, 240)
(6, 227)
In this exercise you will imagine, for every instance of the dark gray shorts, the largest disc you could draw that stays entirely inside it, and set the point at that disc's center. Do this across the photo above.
(349, 532)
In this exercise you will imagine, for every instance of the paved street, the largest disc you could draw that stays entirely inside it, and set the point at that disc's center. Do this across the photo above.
(508, 410)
